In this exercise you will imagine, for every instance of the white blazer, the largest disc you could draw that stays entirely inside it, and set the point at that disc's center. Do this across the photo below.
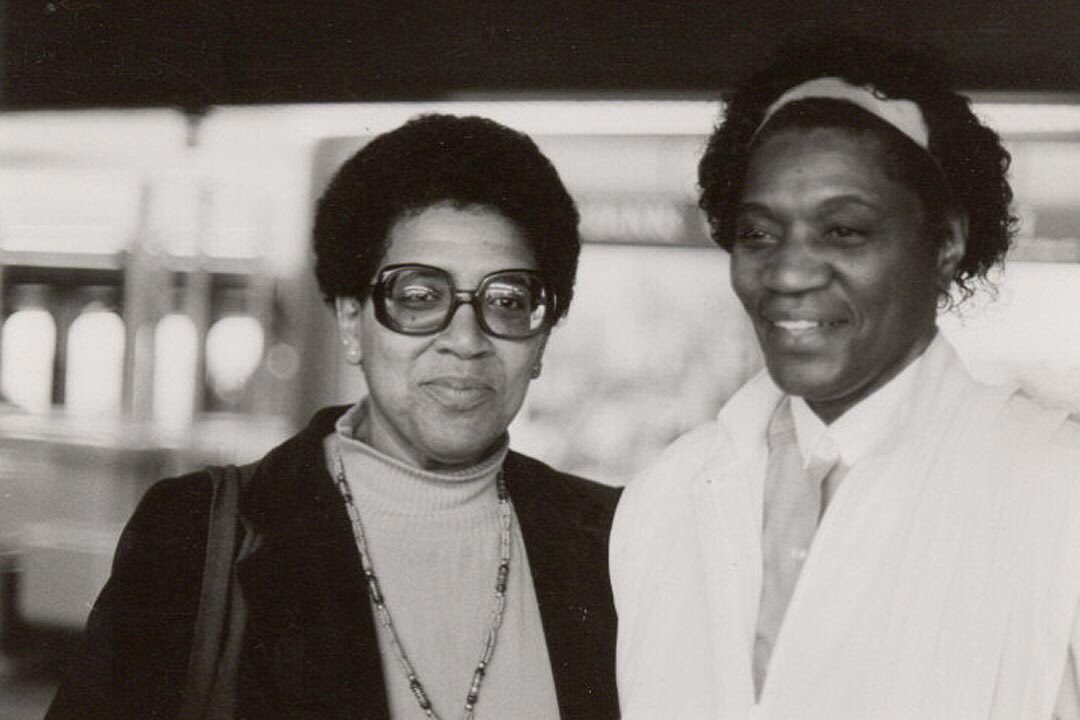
(943, 582)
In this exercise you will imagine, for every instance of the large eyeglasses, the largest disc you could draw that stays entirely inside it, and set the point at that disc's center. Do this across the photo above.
(422, 300)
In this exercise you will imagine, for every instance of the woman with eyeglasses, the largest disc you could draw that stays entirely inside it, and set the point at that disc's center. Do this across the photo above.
(399, 560)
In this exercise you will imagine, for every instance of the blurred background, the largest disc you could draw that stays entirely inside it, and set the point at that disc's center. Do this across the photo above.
(158, 168)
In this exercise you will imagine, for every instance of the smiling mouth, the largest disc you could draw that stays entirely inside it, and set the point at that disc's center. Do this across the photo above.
(457, 394)
(800, 327)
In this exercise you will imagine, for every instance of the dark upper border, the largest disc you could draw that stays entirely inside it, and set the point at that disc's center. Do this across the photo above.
(197, 53)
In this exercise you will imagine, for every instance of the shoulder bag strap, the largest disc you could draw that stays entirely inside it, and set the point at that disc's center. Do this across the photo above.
(214, 616)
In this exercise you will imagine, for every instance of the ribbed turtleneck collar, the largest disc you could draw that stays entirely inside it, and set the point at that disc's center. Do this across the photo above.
(387, 485)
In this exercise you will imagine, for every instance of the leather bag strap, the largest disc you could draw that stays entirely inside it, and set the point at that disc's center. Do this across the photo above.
(216, 613)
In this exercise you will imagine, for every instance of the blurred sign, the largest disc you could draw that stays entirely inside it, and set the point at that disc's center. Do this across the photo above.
(654, 220)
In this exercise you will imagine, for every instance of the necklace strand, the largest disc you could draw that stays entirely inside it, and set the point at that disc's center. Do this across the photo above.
(379, 601)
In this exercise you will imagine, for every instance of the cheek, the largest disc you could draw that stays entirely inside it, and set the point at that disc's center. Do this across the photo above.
(389, 363)
(913, 279)
(516, 365)
(743, 275)
(517, 368)
(897, 299)
(386, 381)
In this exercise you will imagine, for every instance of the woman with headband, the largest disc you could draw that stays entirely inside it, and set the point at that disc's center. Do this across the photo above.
(864, 531)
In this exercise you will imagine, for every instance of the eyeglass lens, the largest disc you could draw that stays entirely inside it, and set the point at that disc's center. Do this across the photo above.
(511, 304)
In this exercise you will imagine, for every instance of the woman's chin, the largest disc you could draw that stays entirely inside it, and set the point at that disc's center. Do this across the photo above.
(807, 377)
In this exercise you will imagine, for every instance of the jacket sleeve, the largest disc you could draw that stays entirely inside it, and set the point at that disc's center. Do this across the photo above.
(133, 658)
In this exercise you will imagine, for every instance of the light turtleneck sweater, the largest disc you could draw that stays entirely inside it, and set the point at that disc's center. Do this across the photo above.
(433, 537)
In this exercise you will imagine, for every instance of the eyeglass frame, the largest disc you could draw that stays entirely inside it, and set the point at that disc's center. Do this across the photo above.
(458, 298)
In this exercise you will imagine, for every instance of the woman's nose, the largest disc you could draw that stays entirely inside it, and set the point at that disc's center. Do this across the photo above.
(464, 336)
(795, 265)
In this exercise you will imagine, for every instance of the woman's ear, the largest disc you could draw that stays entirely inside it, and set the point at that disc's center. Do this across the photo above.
(952, 248)
(349, 313)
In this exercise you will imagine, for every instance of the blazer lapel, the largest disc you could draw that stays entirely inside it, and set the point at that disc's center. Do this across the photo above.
(567, 549)
(310, 648)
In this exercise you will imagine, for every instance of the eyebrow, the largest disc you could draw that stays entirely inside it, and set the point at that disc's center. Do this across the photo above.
(753, 208)
(830, 204)
(840, 201)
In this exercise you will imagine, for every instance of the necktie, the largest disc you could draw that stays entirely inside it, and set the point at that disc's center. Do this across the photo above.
(793, 507)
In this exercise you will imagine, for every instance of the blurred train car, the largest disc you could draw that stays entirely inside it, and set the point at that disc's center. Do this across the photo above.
(157, 311)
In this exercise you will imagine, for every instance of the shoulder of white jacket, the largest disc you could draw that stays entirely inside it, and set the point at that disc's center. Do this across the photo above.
(1028, 436)
(1062, 422)
(655, 501)
(676, 466)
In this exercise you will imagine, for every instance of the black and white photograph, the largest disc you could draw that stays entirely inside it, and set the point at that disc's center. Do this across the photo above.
(539, 361)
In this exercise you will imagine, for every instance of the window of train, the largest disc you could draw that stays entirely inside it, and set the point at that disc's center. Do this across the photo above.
(27, 351)
(95, 363)
(234, 349)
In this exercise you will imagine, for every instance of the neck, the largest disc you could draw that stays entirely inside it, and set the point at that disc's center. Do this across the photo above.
(364, 425)
(380, 433)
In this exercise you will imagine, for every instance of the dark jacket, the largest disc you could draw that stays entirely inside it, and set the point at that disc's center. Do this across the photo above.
(309, 648)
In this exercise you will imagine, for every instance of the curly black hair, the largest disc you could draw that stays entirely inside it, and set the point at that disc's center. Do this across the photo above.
(432, 160)
(968, 155)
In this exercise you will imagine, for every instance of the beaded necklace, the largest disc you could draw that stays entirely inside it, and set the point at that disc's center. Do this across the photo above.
(377, 599)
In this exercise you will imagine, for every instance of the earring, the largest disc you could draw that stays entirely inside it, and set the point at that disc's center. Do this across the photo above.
(536, 370)
(353, 356)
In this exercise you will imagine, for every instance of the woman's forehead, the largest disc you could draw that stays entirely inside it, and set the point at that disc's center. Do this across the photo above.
(468, 242)
(805, 159)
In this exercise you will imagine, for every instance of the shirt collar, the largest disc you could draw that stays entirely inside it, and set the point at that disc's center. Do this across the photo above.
(861, 430)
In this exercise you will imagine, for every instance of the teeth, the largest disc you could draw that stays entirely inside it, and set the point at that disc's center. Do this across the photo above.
(797, 325)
